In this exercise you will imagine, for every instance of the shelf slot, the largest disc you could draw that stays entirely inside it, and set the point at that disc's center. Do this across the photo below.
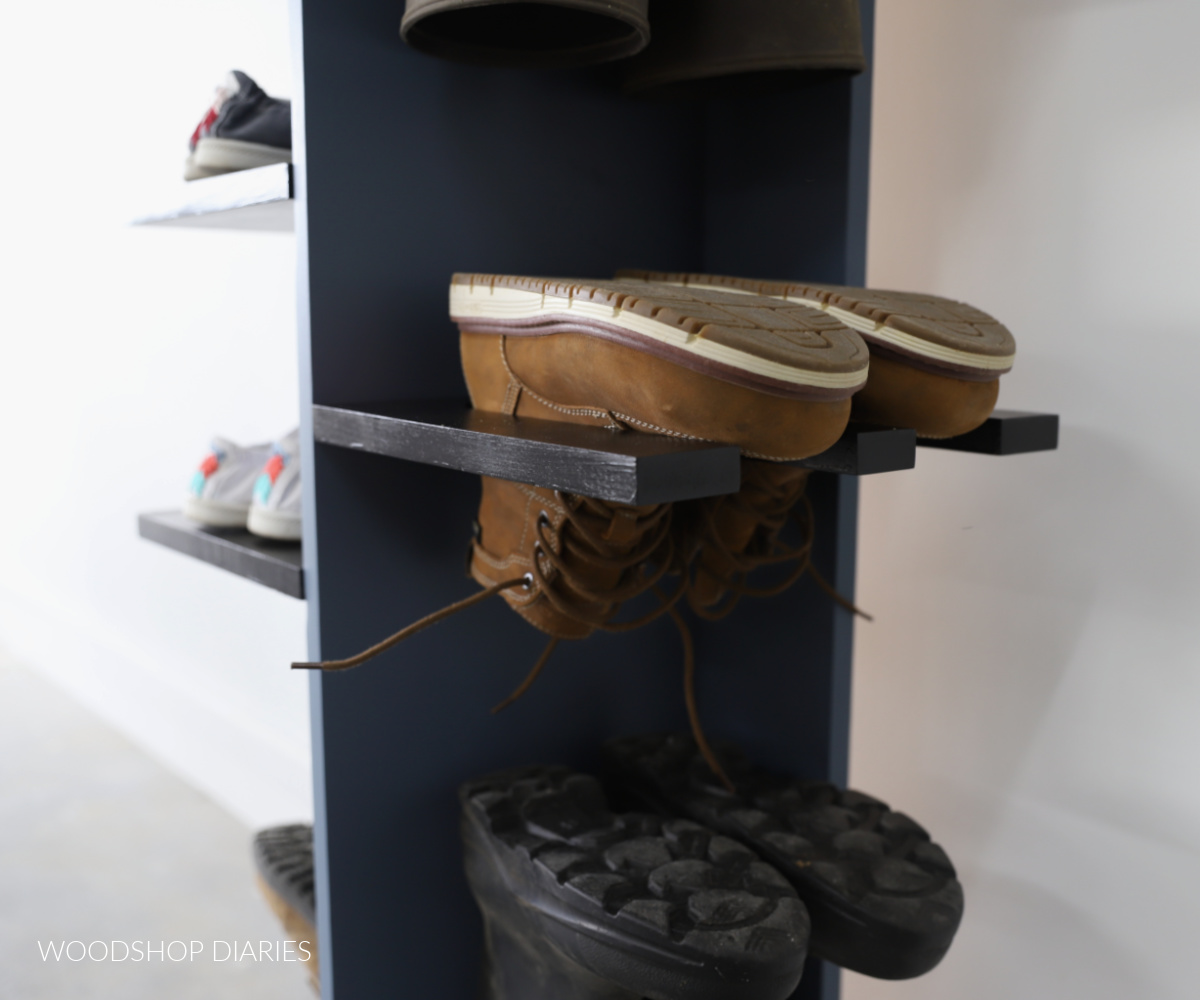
(1005, 432)
(260, 199)
(277, 565)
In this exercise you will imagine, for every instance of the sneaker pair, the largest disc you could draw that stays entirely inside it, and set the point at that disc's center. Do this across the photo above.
(706, 894)
(256, 487)
(243, 128)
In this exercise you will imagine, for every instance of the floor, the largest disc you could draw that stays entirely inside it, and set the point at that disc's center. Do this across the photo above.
(101, 845)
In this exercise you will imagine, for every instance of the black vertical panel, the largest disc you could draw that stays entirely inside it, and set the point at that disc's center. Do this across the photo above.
(409, 169)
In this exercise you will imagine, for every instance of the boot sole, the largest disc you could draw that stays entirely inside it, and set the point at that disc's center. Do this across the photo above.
(781, 348)
(938, 375)
(951, 337)
(214, 155)
(581, 904)
(883, 898)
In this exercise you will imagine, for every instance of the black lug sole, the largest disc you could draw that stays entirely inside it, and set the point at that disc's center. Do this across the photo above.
(883, 898)
(580, 903)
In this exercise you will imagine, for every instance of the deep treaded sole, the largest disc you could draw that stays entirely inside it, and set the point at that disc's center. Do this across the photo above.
(582, 904)
(884, 899)
(283, 856)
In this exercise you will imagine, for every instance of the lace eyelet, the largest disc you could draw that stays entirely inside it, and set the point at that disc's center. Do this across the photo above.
(528, 581)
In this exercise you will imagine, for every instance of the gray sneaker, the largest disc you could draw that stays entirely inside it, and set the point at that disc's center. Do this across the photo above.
(244, 128)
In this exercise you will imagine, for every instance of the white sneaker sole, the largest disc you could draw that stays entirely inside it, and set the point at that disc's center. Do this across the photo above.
(214, 156)
(283, 526)
(216, 514)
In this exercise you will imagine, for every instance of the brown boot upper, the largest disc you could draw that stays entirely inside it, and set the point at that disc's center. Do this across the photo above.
(773, 378)
(935, 363)
(727, 538)
(582, 558)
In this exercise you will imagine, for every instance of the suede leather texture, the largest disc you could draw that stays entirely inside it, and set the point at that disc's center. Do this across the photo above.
(734, 534)
(902, 390)
(589, 592)
(935, 406)
(582, 379)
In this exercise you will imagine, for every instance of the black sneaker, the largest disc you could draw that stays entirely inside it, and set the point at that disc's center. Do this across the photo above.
(883, 898)
(582, 904)
(244, 128)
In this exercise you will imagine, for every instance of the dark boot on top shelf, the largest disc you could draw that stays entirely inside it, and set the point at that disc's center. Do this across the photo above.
(580, 903)
(721, 48)
(883, 898)
(547, 34)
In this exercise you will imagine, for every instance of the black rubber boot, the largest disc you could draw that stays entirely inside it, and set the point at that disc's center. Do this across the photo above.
(582, 904)
(883, 898)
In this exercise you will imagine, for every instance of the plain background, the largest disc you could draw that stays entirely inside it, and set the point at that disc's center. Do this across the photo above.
(122, 352)
(1029, 688)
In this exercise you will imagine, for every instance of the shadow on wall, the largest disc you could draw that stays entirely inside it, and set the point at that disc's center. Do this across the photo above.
(1036, 634)
(1042, 947)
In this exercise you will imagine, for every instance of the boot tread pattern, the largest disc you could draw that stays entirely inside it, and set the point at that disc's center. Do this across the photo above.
(284, 858)
(839, 841)
(661, 877)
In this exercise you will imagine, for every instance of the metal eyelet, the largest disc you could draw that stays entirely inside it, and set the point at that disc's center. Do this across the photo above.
(528, 581)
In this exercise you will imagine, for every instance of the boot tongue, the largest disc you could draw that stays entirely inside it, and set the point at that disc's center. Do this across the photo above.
(623, 529)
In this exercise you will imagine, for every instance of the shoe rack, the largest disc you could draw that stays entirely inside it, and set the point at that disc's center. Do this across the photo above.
(407, 169)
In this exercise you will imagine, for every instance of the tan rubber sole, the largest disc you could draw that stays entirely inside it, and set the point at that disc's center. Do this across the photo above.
(935, 363)
(957, 338)
(755, 342)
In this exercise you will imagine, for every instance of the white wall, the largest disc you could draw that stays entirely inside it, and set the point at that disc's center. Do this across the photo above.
(1030, 687)
(121, 352)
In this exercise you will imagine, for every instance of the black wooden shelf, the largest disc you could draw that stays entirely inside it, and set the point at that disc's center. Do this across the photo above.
(273, 564)
(246, 199)
(867, 451)
(592, 461)
(1005, 432)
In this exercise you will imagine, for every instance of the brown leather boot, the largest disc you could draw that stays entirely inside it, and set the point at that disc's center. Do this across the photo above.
(774, 378)
(725, 539)
(547, 34)
(935, 363)
(581, 559)
(707, 48)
